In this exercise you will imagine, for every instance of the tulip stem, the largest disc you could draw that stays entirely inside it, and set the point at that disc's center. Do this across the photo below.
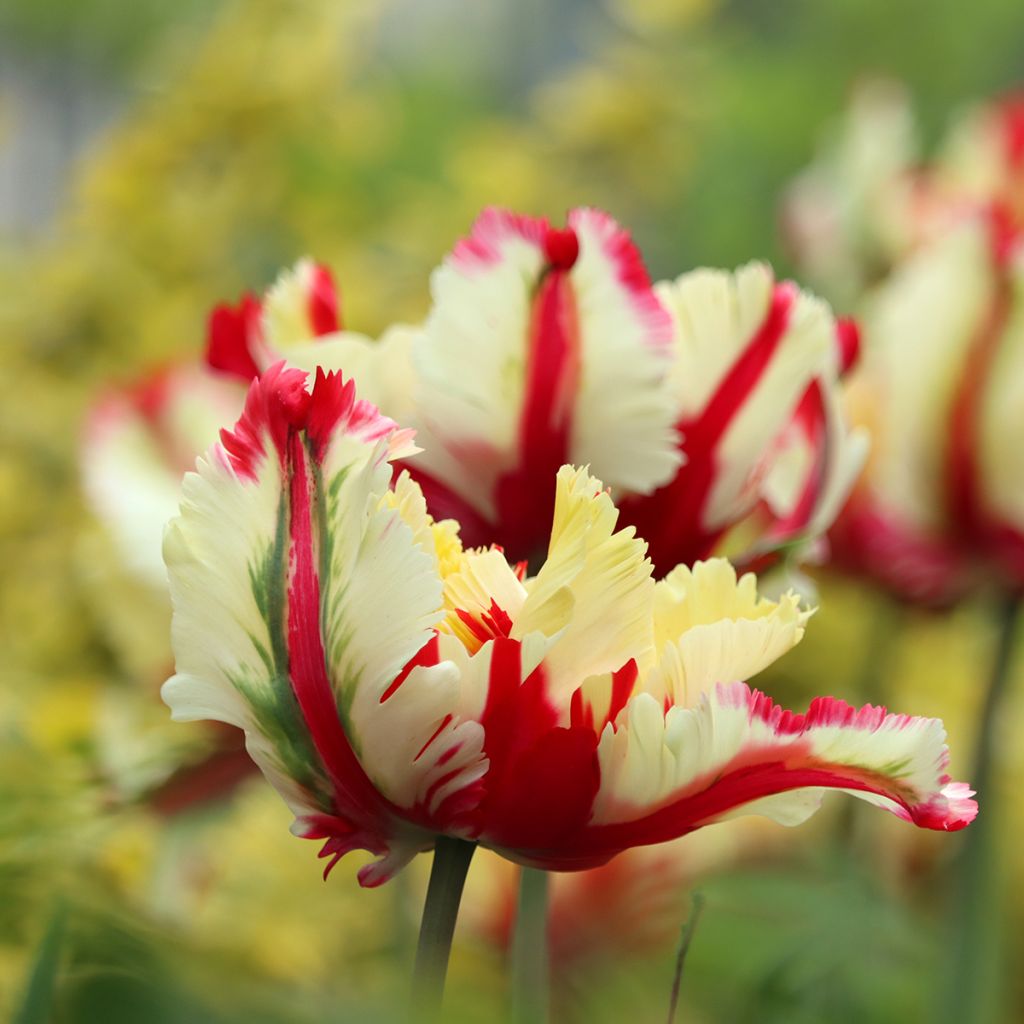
(686, 937)
(530, 958)
(975, 947)
(444, 891)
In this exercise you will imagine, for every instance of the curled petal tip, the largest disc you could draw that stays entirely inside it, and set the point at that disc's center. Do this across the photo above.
(562, 248)
(955, 808)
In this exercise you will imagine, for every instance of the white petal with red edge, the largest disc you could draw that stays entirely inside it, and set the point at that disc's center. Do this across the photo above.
(807, 344)
(625, 415)
(298, 306)
(737, 750)
(715, 313)
(723, 319)
(472, 363)
(918, 329)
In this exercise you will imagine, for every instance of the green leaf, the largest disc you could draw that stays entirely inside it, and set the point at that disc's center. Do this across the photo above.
(41, 985)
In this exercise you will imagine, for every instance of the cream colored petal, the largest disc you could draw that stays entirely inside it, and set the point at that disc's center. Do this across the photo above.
(711, 627)
(594, 590)
(625, 415)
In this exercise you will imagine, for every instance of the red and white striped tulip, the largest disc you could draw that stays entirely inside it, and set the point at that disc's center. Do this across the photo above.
(395, 686)
(139, 440)
(940, 509)
(869, 199)
(243, 340)
(709, 405)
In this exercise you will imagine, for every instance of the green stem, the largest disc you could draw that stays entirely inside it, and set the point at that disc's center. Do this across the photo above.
(974, 971)
(447, 877)
(530, 957)
(696, 908)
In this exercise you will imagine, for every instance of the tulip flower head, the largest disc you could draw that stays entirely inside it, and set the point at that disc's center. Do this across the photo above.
(707, 404)
(395, 686)
(243, 340)
(869, 199)
(140, 440)
(939, 511)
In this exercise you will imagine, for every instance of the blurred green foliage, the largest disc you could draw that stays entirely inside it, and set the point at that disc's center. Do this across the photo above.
(368, 134)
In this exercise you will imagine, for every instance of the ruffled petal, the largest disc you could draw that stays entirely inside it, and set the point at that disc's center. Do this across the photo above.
(543, 347)
(301, 589)
(747, 352)
(594, 591)
(711, 627)
(666, 773)
(625, 414)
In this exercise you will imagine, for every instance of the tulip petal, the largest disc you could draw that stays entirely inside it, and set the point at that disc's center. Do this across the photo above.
(544, 347)
(664, 774)
(625, 414)
(748, 350)
(594, 591)
(301, 304)
(473, 357)
(711, 627)
(302, 587)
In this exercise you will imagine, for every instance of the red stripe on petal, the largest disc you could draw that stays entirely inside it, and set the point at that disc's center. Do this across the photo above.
(356, 797)
(485, 625)
(705, 431)
(428, 654)
(323, 302)
(809, 420)
(623, 682)
(671, 519)
(525, 497)
(437, 732)
(547, 793)
(581, 712)
(848, 343)
(275, 405)
(333, 406)
(231, 333)
(541, 779)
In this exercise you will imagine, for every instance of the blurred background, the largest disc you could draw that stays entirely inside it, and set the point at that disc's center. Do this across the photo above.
(156, 159)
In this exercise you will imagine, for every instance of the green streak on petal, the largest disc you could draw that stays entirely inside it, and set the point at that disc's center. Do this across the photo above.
(282, 725)
(272, 699)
